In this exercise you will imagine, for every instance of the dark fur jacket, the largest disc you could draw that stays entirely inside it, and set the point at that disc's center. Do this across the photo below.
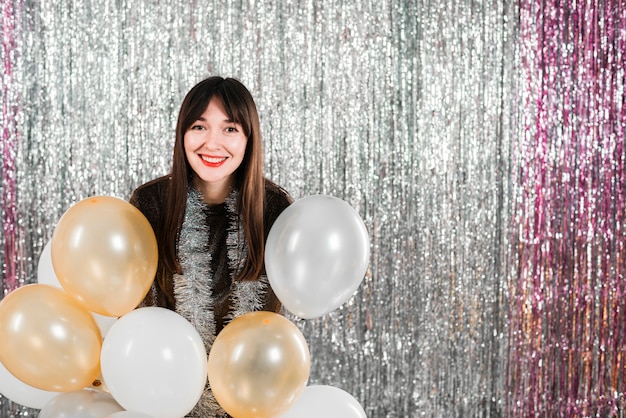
(223, 245)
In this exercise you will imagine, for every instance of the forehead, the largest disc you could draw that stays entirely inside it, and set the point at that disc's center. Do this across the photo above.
(216, 109)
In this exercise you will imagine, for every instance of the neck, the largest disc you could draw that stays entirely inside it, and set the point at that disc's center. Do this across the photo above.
(213, 193)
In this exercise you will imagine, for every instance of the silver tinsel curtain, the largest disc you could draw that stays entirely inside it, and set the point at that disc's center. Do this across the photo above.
(482, 142)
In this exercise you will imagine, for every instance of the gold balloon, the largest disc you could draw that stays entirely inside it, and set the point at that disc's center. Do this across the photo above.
(258, 365)
(104, 253)
(48, 340)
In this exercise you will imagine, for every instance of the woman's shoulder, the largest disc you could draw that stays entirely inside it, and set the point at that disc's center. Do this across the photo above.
(277, 200)
(156, 185)
(150, 196)
(275, 194)
(154, 189)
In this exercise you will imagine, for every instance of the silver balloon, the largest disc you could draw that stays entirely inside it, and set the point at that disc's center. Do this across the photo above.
(316, 255)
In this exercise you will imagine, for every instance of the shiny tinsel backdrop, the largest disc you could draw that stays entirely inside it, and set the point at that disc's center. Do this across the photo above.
(481, 142)
(567, 329)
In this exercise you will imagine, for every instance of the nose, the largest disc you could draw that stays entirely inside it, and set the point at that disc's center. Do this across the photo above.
(212, 138)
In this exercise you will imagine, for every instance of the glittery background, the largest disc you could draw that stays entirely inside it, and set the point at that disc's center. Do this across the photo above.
(481, 142)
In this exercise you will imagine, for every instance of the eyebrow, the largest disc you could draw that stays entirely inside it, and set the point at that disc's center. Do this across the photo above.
(225, 120)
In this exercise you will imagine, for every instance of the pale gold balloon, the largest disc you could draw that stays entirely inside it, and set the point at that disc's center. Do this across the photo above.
(48, 339)
(104, 253)
(258, 365)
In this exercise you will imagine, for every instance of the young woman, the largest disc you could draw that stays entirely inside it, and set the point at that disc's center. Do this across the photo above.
(211, 215)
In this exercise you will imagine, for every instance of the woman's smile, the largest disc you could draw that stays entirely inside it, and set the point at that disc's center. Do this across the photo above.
(211, 161)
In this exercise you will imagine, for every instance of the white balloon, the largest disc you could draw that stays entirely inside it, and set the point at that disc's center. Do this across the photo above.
(104, 322)
(325, 401)
(316, 255)
(154, 362)
(85, 403)
(45, 270)
(19, 392)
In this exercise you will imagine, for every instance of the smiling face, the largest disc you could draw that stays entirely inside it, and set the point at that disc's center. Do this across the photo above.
(215, 147)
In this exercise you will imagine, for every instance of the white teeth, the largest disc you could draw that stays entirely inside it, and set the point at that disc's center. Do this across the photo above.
(212, 159)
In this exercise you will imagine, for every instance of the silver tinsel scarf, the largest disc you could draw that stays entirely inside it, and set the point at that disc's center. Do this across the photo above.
(482, 142)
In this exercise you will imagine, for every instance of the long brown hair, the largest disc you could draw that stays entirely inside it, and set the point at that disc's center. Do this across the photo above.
(249, 180)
